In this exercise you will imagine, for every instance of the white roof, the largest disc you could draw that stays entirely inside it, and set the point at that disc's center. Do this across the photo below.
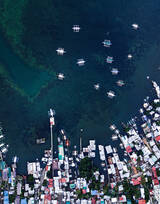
(108, 149)
(113, 200)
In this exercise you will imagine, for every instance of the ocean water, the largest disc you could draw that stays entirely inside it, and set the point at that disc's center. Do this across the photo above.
(48, 25)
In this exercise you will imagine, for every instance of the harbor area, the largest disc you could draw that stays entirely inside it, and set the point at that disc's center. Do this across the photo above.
(66, 175)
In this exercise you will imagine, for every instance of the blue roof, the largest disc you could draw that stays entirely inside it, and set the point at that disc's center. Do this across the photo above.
(94, 192)
(5, 193)
(6, 198)
(23, 201)
(129, 202)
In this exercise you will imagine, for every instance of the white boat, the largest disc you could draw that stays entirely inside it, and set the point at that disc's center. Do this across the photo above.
(141, 110)
(1, 136)
(76, 28)
(1, 145)
(129, 56)
(112, 127)
(41, 140)
(103, 164)
(52, 122)
(111, 94)
(60, 76)
(62, 132)
(116, 131)
(96, 86)
(135, 26)
(114, 137)
(114, 71)
(51, 112)
(109, 59)
(81, 62)
(4, 150)
(121, 145)
(120, 83)
(60, 51)
(107, 43)
(15, 159)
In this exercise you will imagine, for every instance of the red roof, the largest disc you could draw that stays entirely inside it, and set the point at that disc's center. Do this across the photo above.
(156, 182)
(93, 201)
(141, 202)
(50, 180)
(47, 197)
(121, 198)
(157, 138)
(136, 181)
(154, 172)
(128, 149)
(63, 180)
(84, 191)
(46, 168)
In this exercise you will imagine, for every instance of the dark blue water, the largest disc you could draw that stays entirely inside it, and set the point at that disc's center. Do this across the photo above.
(77, 105)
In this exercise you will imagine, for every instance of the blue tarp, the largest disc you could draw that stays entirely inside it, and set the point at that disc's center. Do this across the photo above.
(24, 201)
(94, 192)
(6, 198)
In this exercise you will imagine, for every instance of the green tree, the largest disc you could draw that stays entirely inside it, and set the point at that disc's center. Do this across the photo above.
(85, 168)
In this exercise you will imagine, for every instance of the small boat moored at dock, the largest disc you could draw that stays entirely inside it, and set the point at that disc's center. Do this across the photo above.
(40, 141)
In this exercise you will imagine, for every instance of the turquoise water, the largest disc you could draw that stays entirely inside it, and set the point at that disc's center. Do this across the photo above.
(28, 79)
(75, 101)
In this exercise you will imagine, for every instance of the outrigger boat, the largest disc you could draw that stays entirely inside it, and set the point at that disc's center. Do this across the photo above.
(111, 94)
(114, 71)
(109, 59)
(120, 83)
(135, 26)
(60, 51)
(61, 76)
(107, 43)
(81, 62)
(96, 86)
(76, 28)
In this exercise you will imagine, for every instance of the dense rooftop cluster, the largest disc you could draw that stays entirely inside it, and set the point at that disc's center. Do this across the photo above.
(132, 176)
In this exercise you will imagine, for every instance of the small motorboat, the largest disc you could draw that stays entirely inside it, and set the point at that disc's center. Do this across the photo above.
(51, 112)
(15, 159)
(61, 76)
(80, 62)
(129, 56)
(111, 94)
(135, 26)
